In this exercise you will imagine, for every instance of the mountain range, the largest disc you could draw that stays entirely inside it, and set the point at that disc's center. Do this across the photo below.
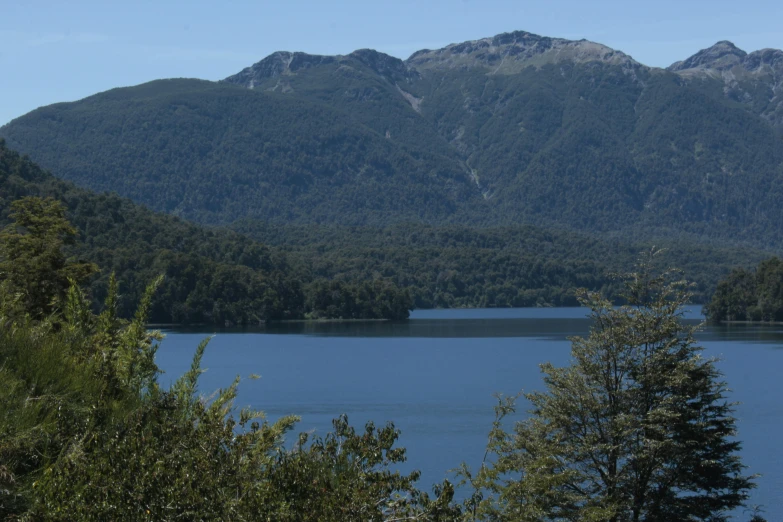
(513, 129)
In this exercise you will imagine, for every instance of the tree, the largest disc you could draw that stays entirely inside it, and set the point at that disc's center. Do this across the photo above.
(749, 296)
(33, 266)
(636, 429)
(769, 285)
(734, 299)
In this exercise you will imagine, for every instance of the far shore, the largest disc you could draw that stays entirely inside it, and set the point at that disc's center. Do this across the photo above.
(755, 323)
(264, 323)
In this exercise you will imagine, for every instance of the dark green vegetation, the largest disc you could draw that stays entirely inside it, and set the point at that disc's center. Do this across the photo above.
(33, 266)
(519, 150)
(214, 153)
(502, 131)
(211, 276)
(459, 266)
(222, 277)
(376, 300)
(746, 295)
(86, 433)
(637, 429)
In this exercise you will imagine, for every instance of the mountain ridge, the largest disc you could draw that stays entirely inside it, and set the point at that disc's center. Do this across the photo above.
(516, 128)
(522, 47)
(508, 53)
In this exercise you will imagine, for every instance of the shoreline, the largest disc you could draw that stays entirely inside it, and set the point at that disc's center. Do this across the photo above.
(753, 323)
(266, 323)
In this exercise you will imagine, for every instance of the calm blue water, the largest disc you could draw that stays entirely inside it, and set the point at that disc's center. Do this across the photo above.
(434, 376)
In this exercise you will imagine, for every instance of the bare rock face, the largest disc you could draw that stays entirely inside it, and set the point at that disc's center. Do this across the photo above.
(508, 53)
(754, 79)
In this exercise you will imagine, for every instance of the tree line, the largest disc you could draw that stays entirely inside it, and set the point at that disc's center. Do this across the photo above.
(749, 295)
(460, 266)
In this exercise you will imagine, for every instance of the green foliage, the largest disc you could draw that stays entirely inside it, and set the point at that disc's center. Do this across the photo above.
(65, 375)
(373, 300)
(86, 433)
(225, 278)
(249, 153)
(459, 266)
(344, 475)
(32, 263)
(637, 428)
(174, 456)
(749, 296)
(211, 276)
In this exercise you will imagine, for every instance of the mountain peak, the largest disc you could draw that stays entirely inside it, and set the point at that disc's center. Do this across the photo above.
(276, 64)
(723, 55)
(384, 65)
(508, 53)
(284, 63)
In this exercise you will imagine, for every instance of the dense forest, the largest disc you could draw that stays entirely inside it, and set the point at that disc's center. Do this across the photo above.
(460, 266)
(210, 276)
(749, 295)
(264, 271)
(212, 153)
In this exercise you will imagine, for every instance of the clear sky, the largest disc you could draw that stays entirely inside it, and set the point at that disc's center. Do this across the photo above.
(58, 50)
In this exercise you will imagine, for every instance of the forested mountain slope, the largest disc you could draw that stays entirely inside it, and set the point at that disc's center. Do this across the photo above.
(212, 276)
(754, 80)
(213, 153)
(222, 277)
(514, 129)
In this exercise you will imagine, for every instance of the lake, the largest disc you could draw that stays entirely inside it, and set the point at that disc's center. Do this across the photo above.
(434, 376)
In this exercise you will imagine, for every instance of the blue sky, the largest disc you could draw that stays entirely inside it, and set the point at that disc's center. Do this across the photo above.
(52, 51)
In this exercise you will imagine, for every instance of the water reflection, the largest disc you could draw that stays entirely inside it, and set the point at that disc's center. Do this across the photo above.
(543, 323)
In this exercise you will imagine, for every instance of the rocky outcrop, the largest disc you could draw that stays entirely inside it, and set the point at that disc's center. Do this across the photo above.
(388, 67)
(283, 63)
(277, 64)
(754, 79)
(721, 56)
(508, 53)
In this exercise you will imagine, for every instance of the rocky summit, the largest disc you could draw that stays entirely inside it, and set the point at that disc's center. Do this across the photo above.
(509, 52)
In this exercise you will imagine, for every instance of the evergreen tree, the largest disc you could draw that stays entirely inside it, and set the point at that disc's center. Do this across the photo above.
(749, 295)
(636, 429)
(33, 267)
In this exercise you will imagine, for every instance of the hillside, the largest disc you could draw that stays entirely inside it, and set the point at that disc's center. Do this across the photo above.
(753, 80)
(214, 153)
(460, 266)
(513, 129)
(212, 276)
